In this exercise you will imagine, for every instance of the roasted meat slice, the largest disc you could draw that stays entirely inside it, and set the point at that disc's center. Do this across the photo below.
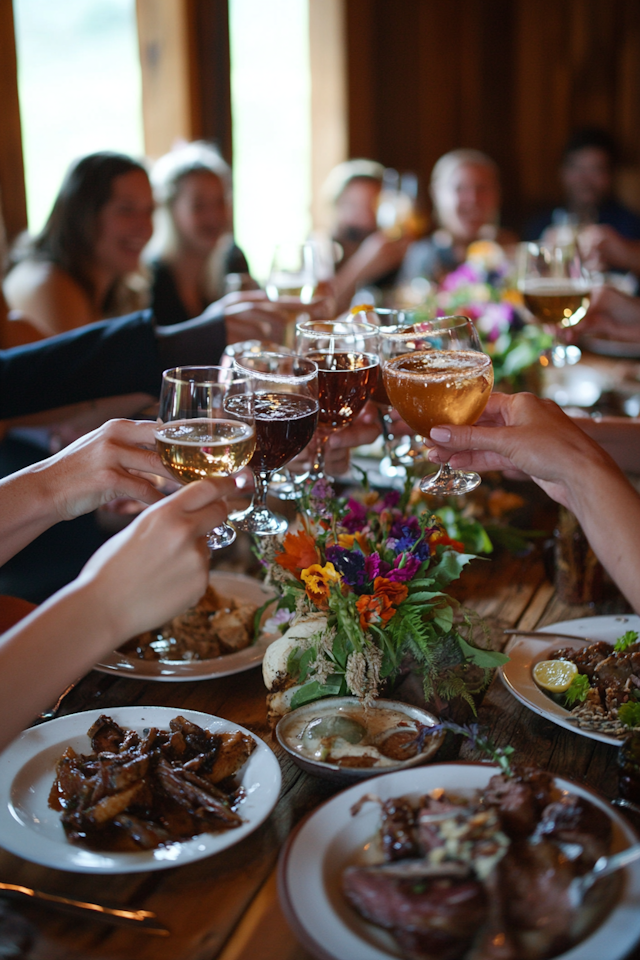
(586, 659)
(574, 820)
(235, 749)
(398, 835)
(434, 919)
(201, 803)
(106, 735)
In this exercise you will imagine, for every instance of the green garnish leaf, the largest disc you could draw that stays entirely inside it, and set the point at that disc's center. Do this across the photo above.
(578, 690)
(629, 714)
(487, 659)
(625, 641)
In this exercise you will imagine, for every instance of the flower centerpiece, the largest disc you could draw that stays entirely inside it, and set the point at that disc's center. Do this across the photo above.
(482, 288)
(362, 593)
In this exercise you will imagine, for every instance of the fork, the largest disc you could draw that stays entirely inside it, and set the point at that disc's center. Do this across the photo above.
(602, 868)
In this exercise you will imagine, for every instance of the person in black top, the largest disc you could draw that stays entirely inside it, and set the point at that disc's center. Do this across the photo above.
(586, 173)
(192, 250)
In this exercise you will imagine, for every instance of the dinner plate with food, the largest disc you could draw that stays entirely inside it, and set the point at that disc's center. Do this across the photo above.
(222, 634)
(590, 685)
(137, 789)
(460, 860)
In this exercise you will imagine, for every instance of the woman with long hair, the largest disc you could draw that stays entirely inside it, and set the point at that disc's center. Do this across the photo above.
(192, 250)
(84, 264)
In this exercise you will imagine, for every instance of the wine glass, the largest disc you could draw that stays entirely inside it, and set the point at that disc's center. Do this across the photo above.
(198, 433)
(347, 357)
(293, 282)
(387, 321)
(436, 373)
(556, 287)
(285, 411)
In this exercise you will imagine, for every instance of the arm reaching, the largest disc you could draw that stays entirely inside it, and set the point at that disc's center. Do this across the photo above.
(97, 468)
(145, 575)
(525, 436)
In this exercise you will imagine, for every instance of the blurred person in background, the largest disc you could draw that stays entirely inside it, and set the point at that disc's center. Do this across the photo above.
(465, 190)
(192, 250)
(84, 265)
(371, 257)
(587, 173)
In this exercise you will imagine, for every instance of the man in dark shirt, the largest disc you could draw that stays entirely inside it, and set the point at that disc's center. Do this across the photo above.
(587, 178)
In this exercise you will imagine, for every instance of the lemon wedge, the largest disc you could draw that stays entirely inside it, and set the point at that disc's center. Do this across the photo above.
(554, 675)
(361, 308)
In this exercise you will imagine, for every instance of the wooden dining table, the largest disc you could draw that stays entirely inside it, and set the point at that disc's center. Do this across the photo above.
(226, 906)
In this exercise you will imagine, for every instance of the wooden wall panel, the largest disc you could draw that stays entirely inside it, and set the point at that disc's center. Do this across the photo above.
(510, 77)
(13, 201)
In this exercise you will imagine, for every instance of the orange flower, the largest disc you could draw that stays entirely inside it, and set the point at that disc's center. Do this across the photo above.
(440, 538)
(300, 552)
(347, 540)
(317, 580)
(374, 610)
(395, 592)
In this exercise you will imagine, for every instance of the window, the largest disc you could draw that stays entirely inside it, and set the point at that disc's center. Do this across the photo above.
(79, 87)
(271, 109)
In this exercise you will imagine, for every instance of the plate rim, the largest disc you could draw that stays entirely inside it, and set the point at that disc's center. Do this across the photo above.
(575, 953)
(223, 666)
(524, 646)
(13, 760)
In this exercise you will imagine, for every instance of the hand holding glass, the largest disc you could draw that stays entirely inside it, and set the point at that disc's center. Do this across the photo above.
(198, 434)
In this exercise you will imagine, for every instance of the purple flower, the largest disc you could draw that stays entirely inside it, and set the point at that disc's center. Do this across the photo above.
(496, 319)
(350, 563)
(356, 517)
(321, 495)
(391, 499)
(407, 527)
(465, 274)
(374, 566)
(406, 572)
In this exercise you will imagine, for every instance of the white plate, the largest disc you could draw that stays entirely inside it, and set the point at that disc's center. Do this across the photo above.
(235, 585)
(527, 651)
(31, 829)
(330, 839)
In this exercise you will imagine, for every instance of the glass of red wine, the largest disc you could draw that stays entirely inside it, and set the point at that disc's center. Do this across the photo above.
(347, 357)
(285, 413)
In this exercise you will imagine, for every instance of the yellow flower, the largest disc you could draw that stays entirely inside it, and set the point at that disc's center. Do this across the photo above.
(317, 580)
(347, 540)
(512, 296)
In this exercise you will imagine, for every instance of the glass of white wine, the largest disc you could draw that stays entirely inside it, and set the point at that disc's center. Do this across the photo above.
(198, 435)
(293, 282)
(556, 287)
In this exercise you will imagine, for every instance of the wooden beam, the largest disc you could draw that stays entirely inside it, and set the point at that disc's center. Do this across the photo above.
(12, 188)
(170, 81)
(328, 97)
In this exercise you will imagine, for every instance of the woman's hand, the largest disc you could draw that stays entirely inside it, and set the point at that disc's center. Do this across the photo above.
(524, 437)
(603, 248)
(364, 429)
(102, 466)
(159, 565)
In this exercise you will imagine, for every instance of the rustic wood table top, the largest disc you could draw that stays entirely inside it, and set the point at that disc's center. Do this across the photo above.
(226, 906)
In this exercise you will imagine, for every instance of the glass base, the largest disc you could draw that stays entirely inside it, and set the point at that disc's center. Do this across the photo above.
(452, 483)
(260, 522)
(220, 537)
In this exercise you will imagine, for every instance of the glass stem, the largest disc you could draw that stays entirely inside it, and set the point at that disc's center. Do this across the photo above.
(317, 469)
(386, 424)
(261, 481)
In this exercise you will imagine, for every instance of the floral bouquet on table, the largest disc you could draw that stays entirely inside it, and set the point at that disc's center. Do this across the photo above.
(362, 600)
(482, 289)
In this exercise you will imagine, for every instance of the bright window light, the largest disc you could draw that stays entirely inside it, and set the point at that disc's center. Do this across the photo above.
(271, 109)
(79, 86)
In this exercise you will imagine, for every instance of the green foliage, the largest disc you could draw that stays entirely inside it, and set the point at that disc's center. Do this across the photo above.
(625, 641)
(629, 714)
(333, 687)
(578, 690)
(487, 659)
(468, 531)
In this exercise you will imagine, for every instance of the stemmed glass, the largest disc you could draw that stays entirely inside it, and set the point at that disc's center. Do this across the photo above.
(285, 410)
(436, 373)
(293, 282)
(347, 357)
(199, 435)
(556, 287)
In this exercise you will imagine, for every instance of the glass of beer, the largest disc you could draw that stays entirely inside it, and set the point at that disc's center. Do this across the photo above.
(436, 373)
(293, 282)
(347, 357)
(285, 412)
(198, 433)
(556, 287)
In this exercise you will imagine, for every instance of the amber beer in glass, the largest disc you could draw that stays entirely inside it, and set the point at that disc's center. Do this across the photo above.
(436, 373)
